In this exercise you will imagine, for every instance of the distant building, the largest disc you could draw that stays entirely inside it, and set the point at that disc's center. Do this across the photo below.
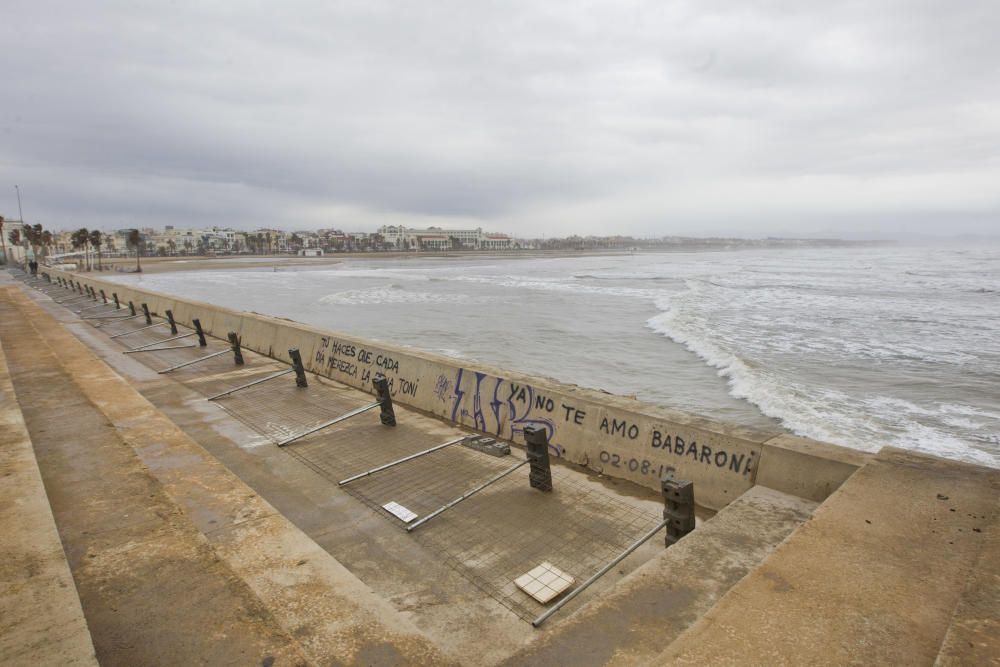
(15, 253)
(437, 238)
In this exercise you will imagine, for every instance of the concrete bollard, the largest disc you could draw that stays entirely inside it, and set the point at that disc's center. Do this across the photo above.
(118, 304)
(104, 296)
(678, 506)
(131, 309)
(540, 474)
(381, 384)
(145, 311)
(234, 343)
(300, 370)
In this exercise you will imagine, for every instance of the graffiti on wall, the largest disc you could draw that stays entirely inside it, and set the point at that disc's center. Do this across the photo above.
(351, 361)
(504, 408)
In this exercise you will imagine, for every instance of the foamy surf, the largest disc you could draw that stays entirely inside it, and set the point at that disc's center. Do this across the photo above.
(808, 407)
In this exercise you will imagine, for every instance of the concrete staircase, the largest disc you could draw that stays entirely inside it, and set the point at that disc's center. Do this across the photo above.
(899, 566)
(175, 559)
(652, 606)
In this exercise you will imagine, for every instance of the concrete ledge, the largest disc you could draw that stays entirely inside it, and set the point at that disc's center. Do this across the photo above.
(653, 605)
(806, 468)
(618, 436)
(41, 620)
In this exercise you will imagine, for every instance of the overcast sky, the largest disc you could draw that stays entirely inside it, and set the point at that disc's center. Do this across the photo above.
(704, 117)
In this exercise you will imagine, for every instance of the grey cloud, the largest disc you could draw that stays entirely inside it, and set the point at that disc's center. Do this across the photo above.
(647, 118)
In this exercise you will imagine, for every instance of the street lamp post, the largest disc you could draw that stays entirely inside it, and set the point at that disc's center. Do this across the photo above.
(19, 211)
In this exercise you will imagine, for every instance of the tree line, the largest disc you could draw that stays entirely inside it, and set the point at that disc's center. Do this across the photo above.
(41, 241)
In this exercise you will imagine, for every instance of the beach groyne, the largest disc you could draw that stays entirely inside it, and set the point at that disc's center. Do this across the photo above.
(618, 436)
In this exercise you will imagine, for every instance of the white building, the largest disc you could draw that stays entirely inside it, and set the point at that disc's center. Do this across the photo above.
(15, 253)
(437, 238)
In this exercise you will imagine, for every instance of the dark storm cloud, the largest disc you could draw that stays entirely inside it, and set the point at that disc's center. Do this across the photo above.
(677, 117)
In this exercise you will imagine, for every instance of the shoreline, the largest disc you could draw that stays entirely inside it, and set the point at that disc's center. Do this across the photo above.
(205, 263)
(199, 263)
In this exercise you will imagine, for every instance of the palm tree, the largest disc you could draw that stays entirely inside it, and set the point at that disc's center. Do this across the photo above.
(95, 242)
(296, 242)
(32, 237)
(81, 239)
(260, 242)
(47, 242)
(187, 246)
(172, 245)
(134, 240)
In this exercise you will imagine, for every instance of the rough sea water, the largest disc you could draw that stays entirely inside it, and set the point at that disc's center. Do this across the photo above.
(863, 347)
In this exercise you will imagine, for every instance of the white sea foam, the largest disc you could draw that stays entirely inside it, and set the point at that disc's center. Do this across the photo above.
(388, 294)
(756, 337)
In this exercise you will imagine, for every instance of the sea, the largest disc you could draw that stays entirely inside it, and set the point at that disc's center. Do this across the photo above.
(860, 346)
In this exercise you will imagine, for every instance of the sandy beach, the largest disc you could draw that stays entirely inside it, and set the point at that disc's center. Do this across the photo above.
(195, 263)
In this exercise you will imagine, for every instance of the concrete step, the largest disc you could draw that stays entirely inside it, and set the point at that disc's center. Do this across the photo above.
(647, 610)
(875, 577)
(176, 559)
(41, 620)
(973, 637)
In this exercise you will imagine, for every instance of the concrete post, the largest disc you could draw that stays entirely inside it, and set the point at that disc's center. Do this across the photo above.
(145, 311)
(131, 309)
(234, 343)
(381, 384)
(118, 304)
(678, 506)
(201, 334)
(104, 296)
(170, 320)
(540, 475)
(300, 370)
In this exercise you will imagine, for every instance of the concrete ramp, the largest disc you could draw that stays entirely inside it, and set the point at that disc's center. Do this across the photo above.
(876, 577)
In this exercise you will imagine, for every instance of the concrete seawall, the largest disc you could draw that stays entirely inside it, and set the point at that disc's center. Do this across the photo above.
(620, 437)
